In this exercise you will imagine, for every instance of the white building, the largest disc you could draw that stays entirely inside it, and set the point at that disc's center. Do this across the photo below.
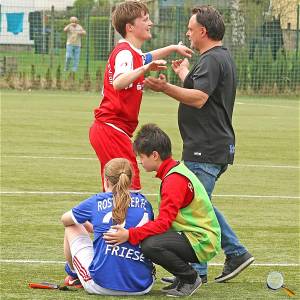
(25, 7)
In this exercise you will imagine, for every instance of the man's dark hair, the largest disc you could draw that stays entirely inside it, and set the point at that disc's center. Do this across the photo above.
(151, 138)
(211, 19)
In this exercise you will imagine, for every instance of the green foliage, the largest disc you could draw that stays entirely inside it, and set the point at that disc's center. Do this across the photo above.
(60, 35)
(242, 65)
(281, 76)
(294, 74)
(70, 82)
(48, 77)
(264, 75)
(99, 79)
(87, 81)
(101, 45)
(82, 7)
(32, 73)
(58, 77)
(37, 82)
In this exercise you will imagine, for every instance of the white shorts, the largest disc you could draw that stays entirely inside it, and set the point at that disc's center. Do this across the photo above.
(82, 255)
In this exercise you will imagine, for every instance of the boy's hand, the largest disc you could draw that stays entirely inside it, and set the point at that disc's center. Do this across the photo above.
(156, 65)
(184, 50)
(180, 65)
(116, 237)
(156, 84)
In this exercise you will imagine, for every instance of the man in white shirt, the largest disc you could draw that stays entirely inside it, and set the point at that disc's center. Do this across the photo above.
(74, 33)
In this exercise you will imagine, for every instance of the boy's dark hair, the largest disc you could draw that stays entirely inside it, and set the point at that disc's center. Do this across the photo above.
(211, 19)
(126, 12)
(151, 138)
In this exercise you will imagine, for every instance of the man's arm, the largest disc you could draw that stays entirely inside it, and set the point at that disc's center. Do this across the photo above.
(191, 97)
(181, 68)
(166, 51)
(82, 31)
(67, 28)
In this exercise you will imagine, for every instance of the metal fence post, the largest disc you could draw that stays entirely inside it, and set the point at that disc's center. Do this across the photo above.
(87, 42)
(52, 38)
(298, 31)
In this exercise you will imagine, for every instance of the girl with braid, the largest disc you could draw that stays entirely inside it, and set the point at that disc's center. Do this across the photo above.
(99, 267)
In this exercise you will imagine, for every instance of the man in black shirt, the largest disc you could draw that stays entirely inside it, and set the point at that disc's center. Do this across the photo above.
(206, 103)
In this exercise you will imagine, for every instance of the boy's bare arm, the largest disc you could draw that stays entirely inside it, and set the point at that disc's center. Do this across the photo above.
(166, 51)
(125, 79)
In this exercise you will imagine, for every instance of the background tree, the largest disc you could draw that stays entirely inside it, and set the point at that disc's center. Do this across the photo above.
(81, 7)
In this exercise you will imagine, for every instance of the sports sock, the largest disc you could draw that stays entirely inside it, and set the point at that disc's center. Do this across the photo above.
(70, 271)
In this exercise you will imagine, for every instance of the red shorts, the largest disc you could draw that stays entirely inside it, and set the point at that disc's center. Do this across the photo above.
(110, 143)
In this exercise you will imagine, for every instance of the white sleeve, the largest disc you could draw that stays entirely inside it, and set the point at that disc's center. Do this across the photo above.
(123, 63)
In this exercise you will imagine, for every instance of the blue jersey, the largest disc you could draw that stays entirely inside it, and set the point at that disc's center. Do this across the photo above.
(123, 267)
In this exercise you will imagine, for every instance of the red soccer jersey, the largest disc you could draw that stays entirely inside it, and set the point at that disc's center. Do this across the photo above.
(121, 108)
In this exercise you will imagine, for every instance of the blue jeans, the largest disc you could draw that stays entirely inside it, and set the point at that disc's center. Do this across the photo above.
(208, 174)
(72, 52)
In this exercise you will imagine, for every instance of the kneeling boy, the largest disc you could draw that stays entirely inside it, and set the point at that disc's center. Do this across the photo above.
(186, 229)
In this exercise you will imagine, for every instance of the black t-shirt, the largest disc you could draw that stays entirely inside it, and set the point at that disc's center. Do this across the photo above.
(207, 133)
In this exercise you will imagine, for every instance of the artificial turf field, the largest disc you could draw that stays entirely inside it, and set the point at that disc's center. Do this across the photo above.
(48, 166)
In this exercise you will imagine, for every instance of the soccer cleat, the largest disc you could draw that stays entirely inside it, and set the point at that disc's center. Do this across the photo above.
(234, 265)
(71, 281)
(171, 279)
(185, 289)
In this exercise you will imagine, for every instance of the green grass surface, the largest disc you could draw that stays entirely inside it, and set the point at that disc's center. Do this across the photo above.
(43, 135)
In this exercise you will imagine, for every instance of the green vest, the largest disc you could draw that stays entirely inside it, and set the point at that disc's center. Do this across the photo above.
(198, 220)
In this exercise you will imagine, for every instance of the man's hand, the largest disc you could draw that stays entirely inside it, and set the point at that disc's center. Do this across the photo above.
(156, 65)
(156, 84)
(180, 65)
(184, 50)
(117, 236)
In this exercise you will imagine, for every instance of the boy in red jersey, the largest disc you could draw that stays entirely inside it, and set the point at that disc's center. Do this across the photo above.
(117, 116)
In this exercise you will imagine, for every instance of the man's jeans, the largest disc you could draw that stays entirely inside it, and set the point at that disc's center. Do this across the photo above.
(72, 52)
(208, 174)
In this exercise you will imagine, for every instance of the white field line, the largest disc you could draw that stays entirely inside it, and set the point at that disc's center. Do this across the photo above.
(23, 193)
(72, 95)
(96, 96)
(267, 105)
(29, 261)
(90, 158)
(49, 157)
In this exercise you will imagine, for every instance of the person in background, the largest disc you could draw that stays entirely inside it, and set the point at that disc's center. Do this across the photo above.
(206, 103)
(97, 267)
(74, 34)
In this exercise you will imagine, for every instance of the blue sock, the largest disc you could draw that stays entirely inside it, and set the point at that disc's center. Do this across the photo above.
(70, 271)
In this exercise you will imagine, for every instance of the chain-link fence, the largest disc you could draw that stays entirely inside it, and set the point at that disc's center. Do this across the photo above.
(263, 36)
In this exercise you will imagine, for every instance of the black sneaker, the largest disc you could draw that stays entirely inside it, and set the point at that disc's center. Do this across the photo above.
(234, 265)
(185, 289)
(171, 286)
(171, 279)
